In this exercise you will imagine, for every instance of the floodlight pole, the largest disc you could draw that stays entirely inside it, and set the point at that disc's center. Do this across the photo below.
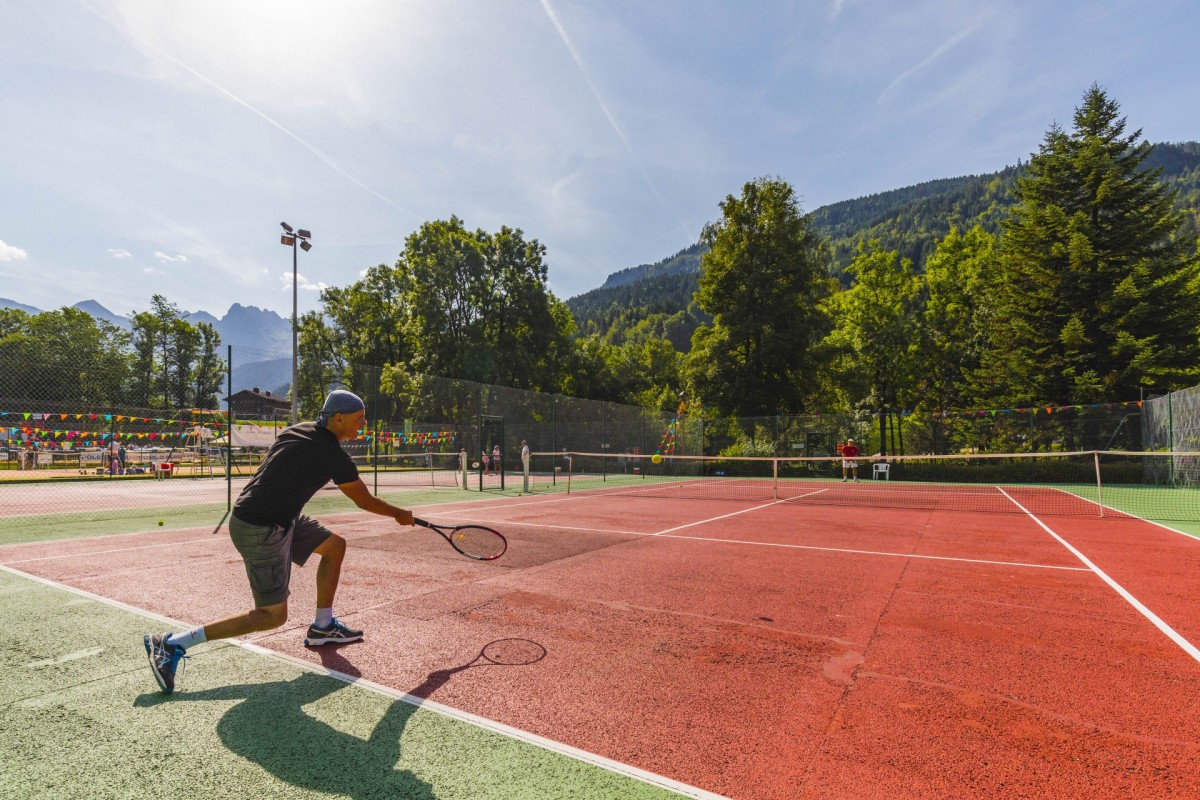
(295, 238)
(295, 386)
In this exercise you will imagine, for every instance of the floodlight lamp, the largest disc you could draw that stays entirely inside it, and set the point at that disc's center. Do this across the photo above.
(305, 246)
(286, 227)
(303, 234)
(288, 240)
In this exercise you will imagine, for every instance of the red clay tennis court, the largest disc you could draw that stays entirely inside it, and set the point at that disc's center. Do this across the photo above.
(757, 649)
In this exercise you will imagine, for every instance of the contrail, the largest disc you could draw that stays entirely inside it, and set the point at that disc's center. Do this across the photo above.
(612, 120)
(316, 151)
(941, 49)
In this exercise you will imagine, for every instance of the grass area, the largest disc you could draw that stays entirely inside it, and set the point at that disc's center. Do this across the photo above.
(83, 718)
(1176, 508)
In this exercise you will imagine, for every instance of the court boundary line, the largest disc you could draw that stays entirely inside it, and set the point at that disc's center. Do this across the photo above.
(499, 728)
(733, 514)
(1138, 606)
(664, 534)
(852, 551)
(881, 553)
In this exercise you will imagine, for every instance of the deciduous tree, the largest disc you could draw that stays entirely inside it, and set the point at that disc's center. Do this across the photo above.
(763, 279)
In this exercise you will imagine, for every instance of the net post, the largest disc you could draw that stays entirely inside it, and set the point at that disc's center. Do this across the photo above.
(775, 478)
(525, 471)
(1099, 487)
(462, 463)
(570, 471)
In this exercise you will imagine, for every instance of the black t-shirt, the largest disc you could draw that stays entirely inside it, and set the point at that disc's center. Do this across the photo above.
(303, 459)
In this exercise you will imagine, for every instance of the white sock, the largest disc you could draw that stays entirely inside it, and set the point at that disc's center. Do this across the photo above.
(188, 639)
(324, 617)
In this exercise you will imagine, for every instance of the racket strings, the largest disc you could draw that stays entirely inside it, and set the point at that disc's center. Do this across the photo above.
(478, 541)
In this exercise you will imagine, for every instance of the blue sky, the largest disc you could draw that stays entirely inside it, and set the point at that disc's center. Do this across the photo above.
(153, 147)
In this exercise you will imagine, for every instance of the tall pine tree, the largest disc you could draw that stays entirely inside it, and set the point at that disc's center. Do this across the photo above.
(1098, 293)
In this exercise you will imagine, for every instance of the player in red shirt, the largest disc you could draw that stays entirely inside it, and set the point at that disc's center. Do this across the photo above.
(849, 464)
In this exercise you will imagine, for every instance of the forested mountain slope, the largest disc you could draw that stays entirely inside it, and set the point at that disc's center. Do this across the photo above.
(910, 220)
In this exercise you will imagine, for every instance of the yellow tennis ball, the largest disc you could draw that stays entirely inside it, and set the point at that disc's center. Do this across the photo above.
(656, 458)
(160, 522)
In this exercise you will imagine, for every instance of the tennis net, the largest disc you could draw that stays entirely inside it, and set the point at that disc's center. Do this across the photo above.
(1163, 486)
(410, 469)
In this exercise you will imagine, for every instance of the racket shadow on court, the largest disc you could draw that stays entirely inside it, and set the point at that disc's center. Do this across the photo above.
(497, 653)
(272, 728)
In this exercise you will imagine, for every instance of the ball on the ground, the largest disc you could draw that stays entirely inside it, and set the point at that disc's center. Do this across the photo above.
(160, 522)
(656, 459)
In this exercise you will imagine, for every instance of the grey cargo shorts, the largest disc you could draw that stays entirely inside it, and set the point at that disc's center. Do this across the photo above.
(269, 551)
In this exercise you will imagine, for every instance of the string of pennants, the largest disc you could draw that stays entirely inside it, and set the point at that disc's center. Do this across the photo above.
(423, 437)
(34, 428)
(35, 417)
(1032, 410)
(992, 412)
(666, 445)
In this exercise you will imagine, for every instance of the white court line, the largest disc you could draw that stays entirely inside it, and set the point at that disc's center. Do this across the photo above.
(665, 535)
(1164, 526)
(733, 514)
(878, 553)
(493, 726)
(152, 532)
(91, 553)
(1170, 632)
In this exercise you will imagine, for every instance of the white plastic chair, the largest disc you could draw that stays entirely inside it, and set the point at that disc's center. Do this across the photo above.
(880, 468)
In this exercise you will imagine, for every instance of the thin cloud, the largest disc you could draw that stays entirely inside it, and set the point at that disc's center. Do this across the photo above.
(10, 253)
(316, 151)
(836, 9)
(174, 259)
(942, 49)
(118, 252)
(612, 119)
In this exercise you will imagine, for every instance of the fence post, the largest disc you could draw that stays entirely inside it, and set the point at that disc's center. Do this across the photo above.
(1171, 437)
(229, 430)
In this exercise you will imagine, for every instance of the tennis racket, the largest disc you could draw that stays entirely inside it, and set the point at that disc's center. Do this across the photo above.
(473, 541)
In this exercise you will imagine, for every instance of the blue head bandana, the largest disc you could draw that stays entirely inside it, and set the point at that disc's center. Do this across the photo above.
(339, 401)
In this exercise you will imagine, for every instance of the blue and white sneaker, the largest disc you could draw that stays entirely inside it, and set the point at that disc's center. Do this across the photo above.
(334, 633)
(164, 659)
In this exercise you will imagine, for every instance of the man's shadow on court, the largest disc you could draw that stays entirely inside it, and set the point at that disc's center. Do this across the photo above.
(272, 729)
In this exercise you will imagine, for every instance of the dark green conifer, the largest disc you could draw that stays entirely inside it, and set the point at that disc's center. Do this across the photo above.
(1098, 293)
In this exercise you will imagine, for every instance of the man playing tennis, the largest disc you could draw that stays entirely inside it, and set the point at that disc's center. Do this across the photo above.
(849, 456)
(270, 532)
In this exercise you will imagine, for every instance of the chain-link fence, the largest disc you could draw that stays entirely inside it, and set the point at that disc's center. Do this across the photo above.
(83, 424)
(1101, 426)
(1173, 426)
